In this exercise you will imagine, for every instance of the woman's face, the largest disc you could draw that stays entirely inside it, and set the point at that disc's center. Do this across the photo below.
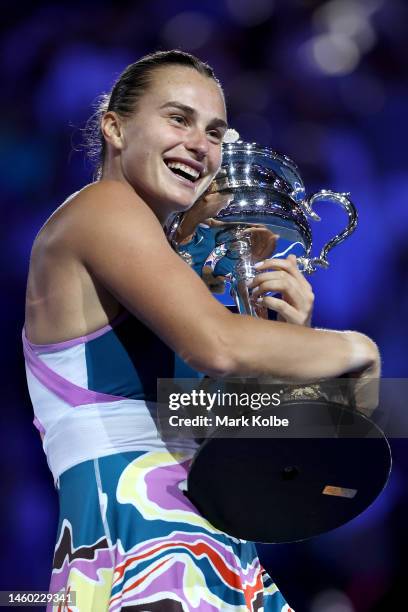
(172, 144)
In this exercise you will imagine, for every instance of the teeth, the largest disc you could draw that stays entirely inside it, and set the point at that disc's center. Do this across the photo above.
(187, 169)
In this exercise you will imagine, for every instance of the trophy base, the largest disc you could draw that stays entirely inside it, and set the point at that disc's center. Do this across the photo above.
(286, 489)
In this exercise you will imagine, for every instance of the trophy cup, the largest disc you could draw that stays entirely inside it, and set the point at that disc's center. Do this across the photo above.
(277, 489)
(268, 198)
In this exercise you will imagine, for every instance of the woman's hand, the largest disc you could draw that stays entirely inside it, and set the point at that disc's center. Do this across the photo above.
(206, 207)
(297, 300)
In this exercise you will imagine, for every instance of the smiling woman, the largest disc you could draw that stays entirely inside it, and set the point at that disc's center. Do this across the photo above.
(127, 536)
(111, 308)
(177, 124)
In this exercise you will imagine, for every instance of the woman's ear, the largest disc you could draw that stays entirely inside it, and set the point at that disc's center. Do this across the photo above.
(112, 129)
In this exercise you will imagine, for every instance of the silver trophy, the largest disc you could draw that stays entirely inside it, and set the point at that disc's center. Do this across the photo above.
(268, 215)
(284, 488)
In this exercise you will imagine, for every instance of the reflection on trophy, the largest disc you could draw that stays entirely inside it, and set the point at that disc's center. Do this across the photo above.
(294, 488)
(268, 215)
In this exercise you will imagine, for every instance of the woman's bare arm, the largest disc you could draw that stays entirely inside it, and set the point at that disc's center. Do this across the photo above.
(122, 244)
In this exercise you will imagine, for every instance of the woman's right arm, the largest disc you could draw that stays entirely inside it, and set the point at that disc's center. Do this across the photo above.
(122, 244)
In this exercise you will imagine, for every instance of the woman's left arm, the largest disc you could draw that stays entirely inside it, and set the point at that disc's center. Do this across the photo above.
(284, 277)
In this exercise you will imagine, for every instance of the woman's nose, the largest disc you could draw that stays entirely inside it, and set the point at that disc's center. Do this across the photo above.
(197, 142)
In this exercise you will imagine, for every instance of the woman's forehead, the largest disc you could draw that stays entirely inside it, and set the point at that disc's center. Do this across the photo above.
(186, 86)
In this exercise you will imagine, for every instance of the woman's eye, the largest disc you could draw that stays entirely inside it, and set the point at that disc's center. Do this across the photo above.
(179, 119)
(216, 135)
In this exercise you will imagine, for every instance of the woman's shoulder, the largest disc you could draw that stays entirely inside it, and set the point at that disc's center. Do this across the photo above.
(106, 201)
(93, 203)
(104, 193)
(100, 192)
(105, 188)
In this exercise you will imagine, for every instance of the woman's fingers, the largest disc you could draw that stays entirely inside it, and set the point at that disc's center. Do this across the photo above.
(288, 265)
(283, 276)
(288, 313)
(280, 282)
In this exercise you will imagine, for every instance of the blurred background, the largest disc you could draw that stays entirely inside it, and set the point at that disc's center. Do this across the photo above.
(323, 82)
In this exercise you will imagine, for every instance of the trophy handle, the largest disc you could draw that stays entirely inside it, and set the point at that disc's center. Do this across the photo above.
(309, 264)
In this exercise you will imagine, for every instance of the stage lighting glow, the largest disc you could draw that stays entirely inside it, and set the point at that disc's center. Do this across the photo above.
(350, 19)
(332, 601)
(335, 54)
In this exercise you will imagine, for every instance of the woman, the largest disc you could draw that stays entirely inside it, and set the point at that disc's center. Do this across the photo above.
(111, 308)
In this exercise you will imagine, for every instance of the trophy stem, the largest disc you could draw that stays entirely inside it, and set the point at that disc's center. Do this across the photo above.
(244, 272)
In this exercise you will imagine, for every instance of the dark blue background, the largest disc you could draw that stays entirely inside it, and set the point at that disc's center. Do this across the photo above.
(325, 83)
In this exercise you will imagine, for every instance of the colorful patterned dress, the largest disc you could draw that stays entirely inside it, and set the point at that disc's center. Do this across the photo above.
(128, 538)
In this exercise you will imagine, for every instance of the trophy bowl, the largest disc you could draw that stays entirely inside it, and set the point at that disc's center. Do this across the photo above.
(268, 215)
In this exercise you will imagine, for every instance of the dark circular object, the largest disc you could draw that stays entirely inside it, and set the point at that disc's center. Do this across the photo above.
(286, 489)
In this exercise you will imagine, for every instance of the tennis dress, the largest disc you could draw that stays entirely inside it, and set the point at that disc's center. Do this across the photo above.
(128, 538)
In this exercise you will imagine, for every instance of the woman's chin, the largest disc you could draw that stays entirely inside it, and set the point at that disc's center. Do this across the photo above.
(181, 205)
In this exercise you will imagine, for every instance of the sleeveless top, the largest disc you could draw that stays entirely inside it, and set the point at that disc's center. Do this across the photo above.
(95, 395)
